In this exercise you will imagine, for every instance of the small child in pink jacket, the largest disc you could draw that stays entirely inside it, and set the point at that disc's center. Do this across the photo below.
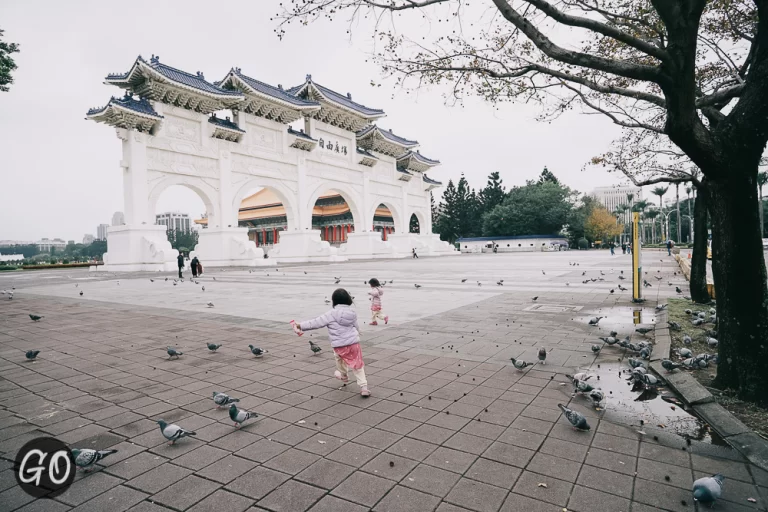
(344, 334)
(376, 293)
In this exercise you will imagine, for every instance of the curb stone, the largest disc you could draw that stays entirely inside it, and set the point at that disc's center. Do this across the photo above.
(735, 433)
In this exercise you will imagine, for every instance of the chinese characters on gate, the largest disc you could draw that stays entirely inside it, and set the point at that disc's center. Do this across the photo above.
(331, 147)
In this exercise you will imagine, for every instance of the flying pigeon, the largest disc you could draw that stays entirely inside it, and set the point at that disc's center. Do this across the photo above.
(327, 301)
(543, 355)
(337, 281)
(708, 489)
(31, 354)
(256, 351)
(479, 283)
(544, 273)
(658, 278)
(595, 319)
(239, 416)
(213, 347)
(597, 396)
(173, 352)
(647, 284)
(579, 376)
(174, 432)
(35, 318)
(499, 283)
(203, 288)
(576, 419)
(670, 366)
(152, 280)
(315, 347)
(85, 457)
(417, 286)
(596, 349)
(584, 273)
(519, 363)
(643, 330)
(221, 399)
(602, 273)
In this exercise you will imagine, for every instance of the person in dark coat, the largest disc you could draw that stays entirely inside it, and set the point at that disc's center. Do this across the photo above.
(195, 265)
(180, 261)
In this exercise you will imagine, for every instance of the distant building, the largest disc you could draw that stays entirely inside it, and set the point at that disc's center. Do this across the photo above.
(70, 242)
(11, 243)
(174, 221)
(613, 197)
(46, 244)
(88, 239)
(118, 219)
(101, 231)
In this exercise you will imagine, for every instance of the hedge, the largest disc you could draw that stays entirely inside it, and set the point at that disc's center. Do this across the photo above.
(59, 265)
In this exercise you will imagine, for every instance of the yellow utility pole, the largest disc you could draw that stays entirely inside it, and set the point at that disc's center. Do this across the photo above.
(637, 269)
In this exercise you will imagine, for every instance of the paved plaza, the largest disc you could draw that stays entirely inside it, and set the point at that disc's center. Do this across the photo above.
(451, 425)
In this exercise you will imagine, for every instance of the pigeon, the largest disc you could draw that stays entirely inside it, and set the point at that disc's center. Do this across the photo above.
(499, 283)
(35, 318)
(213, 347)
(609, 340)
(579, 376)
(535, 298)
(479, 283)
(569, 284)
(221, 399)
(581, 386)
(203, 288)
(635, 363)
(647, 284)
(688, 311)
(645, 353)
(661, 307)
(712, 311)
(239, 416)
(584, 273)
(674, 326)
(174, 432)
(697, 321)
(576, 419)
(327, 301)
(337, 281)
(613, 334)
(315, 347)
(658, 278)
(81, 293)
(256, 351)
(173, 352)
(543, 355)
(670, 366)
(210, 304)
(597, 396)
(612, 290)
(152, 280)
(708, 489)
(31, 354)
(622, 288)
(687, 340)
(85, 457)
(712, 342)
(678, 290)
(622, 278)
(643, 330)
(595, 319)
(519, 363)
(602, 273)
(464, 280)
(685, 353)
(701, 315)
(544, 273)
(596, 349)
(417, 286)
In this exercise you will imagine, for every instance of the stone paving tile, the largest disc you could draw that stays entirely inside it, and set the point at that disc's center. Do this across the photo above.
(451, 460)
(117, 499)
(135, 466)
(518, 503)
(330, 503)
(292, 496)
(227, 469)
(223, 500)
(200, 457)
(185, 493)
(403, 499)
(291, 461)
(159, 478)
(44, 506)
(476, 496)
(258, 482)
(324, 473)
(584, 499)
(494, 473)
(608, 481)
(556, 491)
(363, 488)
(86, 488)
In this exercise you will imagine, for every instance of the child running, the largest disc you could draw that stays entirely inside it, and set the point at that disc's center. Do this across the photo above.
(376, 293)
(344, 334)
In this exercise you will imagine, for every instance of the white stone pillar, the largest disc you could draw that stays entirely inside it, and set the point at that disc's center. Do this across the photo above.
(304, 211)
(135, 187)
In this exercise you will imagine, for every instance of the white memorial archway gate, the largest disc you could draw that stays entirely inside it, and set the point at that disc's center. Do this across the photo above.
(225, 138)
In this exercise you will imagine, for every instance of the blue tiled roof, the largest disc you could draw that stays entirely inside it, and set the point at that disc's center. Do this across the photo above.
(336, 98)
(426, 160)
(300, 134)
(225, 123)
(387, 134)
(404, 171)
(141, 106)
(367, 153)
(427, 179)
(176, 75)
(269, 90)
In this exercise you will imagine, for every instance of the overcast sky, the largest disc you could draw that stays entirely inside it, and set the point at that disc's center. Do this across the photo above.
(60, 173)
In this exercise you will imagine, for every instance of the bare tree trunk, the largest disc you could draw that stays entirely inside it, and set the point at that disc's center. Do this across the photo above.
(690, 220)
(698, 282)
(677, 206)
(740, 283)
(760, 203)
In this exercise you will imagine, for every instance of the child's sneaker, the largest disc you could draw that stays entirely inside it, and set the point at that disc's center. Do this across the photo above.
(364, 392)
(386, 320)
(342, 378)
(374, 323)
(296, 329)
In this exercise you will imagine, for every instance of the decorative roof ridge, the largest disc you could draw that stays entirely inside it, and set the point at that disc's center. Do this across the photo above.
(430, 180)
(141, 106)
(338, 98)
(224, 123)
(301, 134)
(387, 134)
(418, 156)
(265, 88)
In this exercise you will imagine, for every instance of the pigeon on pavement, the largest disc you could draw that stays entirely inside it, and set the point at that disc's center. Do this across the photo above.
(708, 489)
(172, 352)
(417, 286)
(543, 355)
(596, 348)
(210, 304)
(239, 416)
(670, 366)
(35, 318)
(576, 419)
(661, 307)
(597, 396)
(213, 347)
(643, 330)
(31, 354)
(635, 363)
(582, 387)
(315, 347)
(595, 319)
(519, 363)
(221, 399)
(173, 432)
(678, 290)
(85, 457)
(256, 351)
(535, 298)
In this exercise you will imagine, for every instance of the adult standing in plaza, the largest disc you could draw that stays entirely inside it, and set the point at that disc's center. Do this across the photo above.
(194, 265)
(415, 256)
(180, 262)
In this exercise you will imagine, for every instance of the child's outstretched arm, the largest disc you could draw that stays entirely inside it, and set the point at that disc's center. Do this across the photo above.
(317, 323)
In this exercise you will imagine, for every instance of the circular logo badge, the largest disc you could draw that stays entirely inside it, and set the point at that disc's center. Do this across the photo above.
(44, 467)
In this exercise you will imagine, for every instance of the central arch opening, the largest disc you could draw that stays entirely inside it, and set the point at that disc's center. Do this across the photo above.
(332, 216)
(264, 214)
(180, 208)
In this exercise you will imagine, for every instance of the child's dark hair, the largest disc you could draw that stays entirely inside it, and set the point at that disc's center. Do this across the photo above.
(341, 296)
(374, 282)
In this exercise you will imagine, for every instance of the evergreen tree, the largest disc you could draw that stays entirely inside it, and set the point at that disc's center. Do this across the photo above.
(493, 194)
(433, 209)
(446, 223)
(7, 65)
(546, 175)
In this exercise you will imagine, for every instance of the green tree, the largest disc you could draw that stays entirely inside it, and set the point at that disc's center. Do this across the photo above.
(433, 211)
(660, 191)
(493, 193)
(182, 239)
(96, 249)
(447, 223)
(651, 216)
(413, 225)
(577, 219)
(7, 64)
(640, 206)
(533, 209)
(468, 210)
(546, 175)
(28, 250)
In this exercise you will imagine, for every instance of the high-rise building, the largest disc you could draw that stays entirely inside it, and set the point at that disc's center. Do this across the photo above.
(615, 196)
(88, 239)
(101, 231)
(173, 221)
